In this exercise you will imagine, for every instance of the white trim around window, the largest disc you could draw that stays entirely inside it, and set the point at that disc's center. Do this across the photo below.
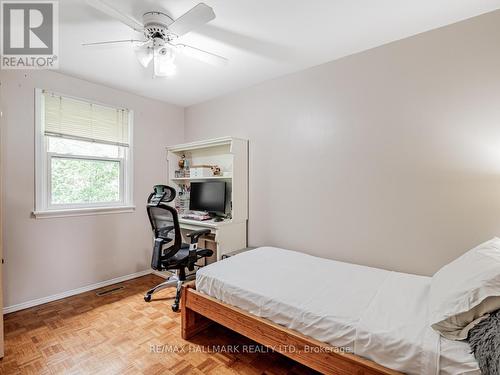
(43, 206)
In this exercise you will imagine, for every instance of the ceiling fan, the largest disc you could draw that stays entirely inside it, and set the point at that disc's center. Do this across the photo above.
(160, 35)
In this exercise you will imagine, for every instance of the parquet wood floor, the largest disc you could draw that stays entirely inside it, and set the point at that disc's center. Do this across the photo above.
(119, 333)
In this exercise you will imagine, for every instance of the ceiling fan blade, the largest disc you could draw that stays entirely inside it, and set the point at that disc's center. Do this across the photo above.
(111, 42)
(204, 56)
(197, 16)
(115, 13)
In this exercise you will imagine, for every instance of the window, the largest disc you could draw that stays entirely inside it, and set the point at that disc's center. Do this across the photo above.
(83, 156)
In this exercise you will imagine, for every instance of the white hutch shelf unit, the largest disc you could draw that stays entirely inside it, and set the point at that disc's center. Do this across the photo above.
(231, 155)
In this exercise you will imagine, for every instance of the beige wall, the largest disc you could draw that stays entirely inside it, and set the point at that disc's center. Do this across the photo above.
(389, 157)
(48, 256)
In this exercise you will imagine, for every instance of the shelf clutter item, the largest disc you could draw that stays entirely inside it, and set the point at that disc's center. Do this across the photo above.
(201, 171)
(198, 171)
(198, 216)
(182, 173)
(182, 200)
(216, 171)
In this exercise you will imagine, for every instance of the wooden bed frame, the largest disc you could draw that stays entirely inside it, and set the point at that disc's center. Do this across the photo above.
(199, 311)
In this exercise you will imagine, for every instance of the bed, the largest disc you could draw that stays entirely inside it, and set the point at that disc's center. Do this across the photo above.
(332, 316)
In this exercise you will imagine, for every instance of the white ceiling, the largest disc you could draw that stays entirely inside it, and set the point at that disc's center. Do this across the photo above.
(262, 39)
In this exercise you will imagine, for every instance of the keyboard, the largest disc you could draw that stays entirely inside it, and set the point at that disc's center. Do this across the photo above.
(196, 217)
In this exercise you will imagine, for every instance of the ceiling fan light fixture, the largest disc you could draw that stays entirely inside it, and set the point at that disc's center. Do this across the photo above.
(144, 55)
(164, 62)
(160, 33)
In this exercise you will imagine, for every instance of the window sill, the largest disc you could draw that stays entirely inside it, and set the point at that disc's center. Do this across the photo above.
(82, 212)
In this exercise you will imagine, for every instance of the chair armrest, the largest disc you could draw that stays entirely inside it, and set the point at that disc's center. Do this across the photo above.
(195, 235)
(156, 258)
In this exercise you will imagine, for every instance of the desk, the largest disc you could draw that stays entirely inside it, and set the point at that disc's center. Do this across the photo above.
(228, 235)
(231, 156)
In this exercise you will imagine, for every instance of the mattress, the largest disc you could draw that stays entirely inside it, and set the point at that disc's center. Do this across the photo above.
(374, 313)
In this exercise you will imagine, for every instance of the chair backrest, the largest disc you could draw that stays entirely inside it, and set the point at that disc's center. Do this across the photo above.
(161, 194)
(165, 224)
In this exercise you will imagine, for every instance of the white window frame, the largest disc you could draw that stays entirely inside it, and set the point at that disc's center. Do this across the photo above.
(43, 207)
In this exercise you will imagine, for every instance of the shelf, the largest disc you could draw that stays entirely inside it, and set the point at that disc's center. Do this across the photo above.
(204, 223)
(201, 178)
(231, 156)
(202, 144)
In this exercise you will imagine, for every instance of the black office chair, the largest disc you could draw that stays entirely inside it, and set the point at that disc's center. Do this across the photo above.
(169, 253)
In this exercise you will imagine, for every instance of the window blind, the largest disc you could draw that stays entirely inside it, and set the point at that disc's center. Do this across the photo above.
(81, 120)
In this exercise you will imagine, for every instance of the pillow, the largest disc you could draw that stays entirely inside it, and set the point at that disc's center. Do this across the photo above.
(465, 291)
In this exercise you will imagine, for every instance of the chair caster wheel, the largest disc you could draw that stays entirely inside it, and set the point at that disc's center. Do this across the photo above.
(175, 307)
(147, 298)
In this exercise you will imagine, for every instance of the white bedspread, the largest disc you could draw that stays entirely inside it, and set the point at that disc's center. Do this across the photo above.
(378, 314)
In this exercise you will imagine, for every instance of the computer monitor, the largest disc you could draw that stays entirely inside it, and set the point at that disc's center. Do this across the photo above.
(208, 196)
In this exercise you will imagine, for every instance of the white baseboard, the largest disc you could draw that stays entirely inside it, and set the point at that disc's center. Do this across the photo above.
(164, 274)
(69, 293)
